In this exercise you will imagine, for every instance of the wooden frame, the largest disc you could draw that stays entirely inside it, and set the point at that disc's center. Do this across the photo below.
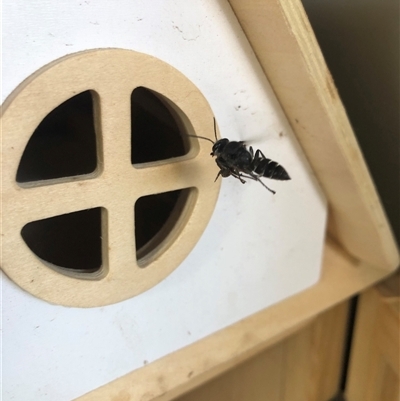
(285, 45)
(194, 365)
(362, 249)
(306, 366)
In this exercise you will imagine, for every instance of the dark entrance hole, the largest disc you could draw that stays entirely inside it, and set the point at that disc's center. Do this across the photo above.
(64, 143)
(155, 134)
(71, 242)
(155, 218)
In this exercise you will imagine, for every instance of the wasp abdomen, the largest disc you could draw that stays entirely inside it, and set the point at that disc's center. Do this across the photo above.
(270, 169)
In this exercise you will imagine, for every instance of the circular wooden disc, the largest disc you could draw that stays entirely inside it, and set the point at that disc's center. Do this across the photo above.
(111, 75)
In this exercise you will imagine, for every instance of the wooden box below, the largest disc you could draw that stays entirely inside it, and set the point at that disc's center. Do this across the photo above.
(375, 358)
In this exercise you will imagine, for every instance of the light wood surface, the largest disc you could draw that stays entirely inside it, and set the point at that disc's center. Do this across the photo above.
(118, 73)
(284, 43)
(286, 48)
(194, 365)
(374, 373)
(304, 367)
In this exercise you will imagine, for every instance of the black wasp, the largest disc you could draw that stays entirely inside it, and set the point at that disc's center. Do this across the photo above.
(233, 158)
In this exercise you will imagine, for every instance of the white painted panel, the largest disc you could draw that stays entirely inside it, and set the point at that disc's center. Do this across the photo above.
(258, 248)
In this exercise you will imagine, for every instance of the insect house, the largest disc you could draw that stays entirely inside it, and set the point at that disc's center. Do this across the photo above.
(181, 188)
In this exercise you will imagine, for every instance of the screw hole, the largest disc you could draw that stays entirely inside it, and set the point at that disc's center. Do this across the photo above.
(69, 243)
(64, 143)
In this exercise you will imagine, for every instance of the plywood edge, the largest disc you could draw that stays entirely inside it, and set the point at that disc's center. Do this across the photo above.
(183, 370)
(284, 43)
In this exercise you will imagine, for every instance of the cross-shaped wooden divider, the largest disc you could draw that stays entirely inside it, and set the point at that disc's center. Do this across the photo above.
(115, 185)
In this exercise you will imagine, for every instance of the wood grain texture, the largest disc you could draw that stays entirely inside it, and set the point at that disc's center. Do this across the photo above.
(286, 48)
(321, 357)
(194, 365)
(284, 43)
(258, 379)
(304, 367)
(282, 39)
(374, 373)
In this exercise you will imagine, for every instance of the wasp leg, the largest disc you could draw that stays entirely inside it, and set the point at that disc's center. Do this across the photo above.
(238, 176)
(248, 177)
(269, 189)
(219, 173)
(255, 178)
(258, 153)
(251, 152)
(257, 159)
(223, 172)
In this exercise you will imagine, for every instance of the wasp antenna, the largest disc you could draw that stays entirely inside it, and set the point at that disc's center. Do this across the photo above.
(215, 130)
(202, 137)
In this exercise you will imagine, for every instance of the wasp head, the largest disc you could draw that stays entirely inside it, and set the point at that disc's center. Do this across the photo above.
(219, 146)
